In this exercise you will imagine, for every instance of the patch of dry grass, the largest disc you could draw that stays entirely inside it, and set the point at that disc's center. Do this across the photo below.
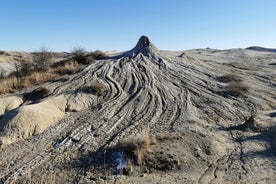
(13, 83)
(237, 89)
(9, 84)
(136, 148)
(28, 73)
(95, 88)
(67, 68)
(235, 85)
(31, 78)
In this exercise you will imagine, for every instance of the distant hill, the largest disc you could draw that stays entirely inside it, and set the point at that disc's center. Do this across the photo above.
(263, 49)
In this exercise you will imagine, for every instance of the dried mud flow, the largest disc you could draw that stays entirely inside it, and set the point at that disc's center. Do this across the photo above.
(196, 106)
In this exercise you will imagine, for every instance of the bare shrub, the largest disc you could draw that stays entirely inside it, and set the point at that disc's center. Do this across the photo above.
(96, 88)
(237, 89)
(23, 69)
(235, 86)
(79, 55)
(26, 68)
(98, 54)
(68, 67)
(42, 59)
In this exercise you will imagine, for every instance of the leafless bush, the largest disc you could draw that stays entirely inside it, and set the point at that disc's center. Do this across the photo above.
(42, 59)
(23, 69)
(97, 55)
(235, 86)
(67, 67)
(26, 68)
(79, 55)
(95, 88)
(237, 89)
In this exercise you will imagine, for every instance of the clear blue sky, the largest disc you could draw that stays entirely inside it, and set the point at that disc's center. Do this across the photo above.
(117, 24)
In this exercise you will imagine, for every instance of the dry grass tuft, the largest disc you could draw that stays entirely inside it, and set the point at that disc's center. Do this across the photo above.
(8, 84)
(136, 148)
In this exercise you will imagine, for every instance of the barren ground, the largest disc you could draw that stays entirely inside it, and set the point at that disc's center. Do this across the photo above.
(193, 104)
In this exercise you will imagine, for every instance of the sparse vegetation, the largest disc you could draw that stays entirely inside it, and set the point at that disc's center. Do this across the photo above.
(41, 70)
(97, 55)
(13, 83)
(82, 57)
(237, 89)
(95, 88)
(23, 69)
(235, 85)
(67, 67)
(79, 55)
(29, 73)
(42, 59)
(136, 148)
